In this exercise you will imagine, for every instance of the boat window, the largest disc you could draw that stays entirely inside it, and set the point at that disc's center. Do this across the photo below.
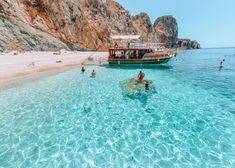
(128, 54)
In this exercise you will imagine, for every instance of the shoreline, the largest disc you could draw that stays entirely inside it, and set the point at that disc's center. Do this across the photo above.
(15, 68)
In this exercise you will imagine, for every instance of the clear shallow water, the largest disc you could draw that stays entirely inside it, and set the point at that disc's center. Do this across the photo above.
(72, 120)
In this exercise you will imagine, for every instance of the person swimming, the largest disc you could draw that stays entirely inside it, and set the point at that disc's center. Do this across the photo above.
(83, 70)
(147, 86)
(140, 76)
(221, 64)
(220, 67)
(93, 73)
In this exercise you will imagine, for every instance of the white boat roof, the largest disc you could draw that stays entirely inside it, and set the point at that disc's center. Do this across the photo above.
(125, 37)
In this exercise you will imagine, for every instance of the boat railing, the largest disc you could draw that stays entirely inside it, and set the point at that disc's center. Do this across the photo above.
(154, 56)
(156, 47)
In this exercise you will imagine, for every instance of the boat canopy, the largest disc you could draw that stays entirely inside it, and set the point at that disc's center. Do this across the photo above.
(125, 37)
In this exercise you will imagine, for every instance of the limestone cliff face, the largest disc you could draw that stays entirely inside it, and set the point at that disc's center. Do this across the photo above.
(74, 24)
(143, 26)
(18, 33)
(106, 17)
(166, 30)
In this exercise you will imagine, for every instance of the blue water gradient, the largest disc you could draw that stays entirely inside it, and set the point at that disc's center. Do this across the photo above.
(72, 120)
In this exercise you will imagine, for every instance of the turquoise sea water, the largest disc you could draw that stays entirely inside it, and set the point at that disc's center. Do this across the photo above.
(72, 120)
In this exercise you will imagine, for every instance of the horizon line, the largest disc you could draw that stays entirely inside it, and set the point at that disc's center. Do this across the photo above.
(216, 47)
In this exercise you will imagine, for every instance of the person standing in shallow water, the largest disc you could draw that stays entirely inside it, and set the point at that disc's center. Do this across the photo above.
(140, 76)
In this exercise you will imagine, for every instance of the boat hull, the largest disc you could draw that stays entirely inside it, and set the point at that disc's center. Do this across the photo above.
(137, 61)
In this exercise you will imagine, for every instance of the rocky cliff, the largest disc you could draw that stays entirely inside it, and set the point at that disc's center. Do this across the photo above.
(143, 26)
(166, 30)
(188, 44)
(75, 24)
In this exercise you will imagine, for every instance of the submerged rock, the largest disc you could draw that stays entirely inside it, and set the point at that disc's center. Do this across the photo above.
(134, 88)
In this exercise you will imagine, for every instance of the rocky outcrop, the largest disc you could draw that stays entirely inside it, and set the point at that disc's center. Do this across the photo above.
(107, 17)
(16, 35)
(143, 26)
(166, 30)
(30, 27)
(64, 20)
(195, 45)
(188, 44)
(75, 24)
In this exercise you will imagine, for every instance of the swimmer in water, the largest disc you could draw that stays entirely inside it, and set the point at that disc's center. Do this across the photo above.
(83, 69)
(147, 86)
(220, 67)
(221, 64)
(93, 73)
(140, 76)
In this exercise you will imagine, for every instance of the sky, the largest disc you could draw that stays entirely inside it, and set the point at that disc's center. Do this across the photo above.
(210, 22)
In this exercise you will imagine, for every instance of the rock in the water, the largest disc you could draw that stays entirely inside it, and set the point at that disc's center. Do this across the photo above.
(135, 88)
(188, 44)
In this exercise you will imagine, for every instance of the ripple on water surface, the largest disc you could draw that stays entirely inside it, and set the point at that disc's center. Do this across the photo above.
(70, 119)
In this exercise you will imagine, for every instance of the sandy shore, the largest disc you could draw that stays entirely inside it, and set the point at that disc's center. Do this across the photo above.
(16, 65)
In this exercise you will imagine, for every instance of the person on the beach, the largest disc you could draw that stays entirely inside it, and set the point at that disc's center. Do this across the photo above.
(83, 69)
(140, 76)
(93, 73)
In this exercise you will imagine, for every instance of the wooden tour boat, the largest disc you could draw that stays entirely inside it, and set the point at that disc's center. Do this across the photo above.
(139, 53)
(138, 56)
